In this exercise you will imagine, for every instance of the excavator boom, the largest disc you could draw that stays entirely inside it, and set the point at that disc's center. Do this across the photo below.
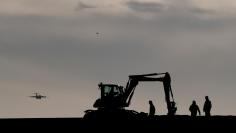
(165, 78)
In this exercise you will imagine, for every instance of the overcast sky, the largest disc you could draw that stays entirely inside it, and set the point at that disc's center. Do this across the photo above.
(51, 47)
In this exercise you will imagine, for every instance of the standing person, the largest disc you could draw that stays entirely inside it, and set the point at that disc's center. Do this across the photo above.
(152, 109)
(173, 109)
(207, 106)
(194, 109)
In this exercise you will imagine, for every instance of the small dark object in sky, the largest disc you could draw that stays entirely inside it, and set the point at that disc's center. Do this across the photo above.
(38, 96)
(97, 34)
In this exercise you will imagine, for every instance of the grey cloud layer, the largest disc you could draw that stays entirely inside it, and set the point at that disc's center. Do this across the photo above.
(145, 6)
(198, 51)
(172, 7)
(82, 5)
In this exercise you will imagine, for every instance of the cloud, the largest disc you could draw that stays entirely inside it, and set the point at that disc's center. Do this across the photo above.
(145, 6)
(82, 6)
(168, 8)
(199, 10)
(225, 6)
(39, 8)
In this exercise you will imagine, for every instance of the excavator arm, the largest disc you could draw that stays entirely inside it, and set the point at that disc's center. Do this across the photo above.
(133, 82)
(166, 79)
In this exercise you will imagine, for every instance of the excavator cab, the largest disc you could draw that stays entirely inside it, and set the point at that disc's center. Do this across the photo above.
(110, 90)
(111, 95)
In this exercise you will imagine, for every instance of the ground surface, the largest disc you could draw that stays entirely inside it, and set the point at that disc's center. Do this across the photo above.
(160, 123)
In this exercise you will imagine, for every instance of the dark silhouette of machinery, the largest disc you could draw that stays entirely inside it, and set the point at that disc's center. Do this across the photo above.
(115, 98)
(38, 96)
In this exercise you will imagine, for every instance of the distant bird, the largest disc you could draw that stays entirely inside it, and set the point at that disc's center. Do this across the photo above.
(37, 96)
(97, 34)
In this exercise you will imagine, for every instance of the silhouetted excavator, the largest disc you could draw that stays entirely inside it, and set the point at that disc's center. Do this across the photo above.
(115, 98)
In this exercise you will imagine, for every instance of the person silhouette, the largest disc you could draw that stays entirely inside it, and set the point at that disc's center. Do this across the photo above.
(207, 106)
(194, 109)
(173, 108)
(152, 109)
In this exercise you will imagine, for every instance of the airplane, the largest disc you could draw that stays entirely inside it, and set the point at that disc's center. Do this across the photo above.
(37, 96)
